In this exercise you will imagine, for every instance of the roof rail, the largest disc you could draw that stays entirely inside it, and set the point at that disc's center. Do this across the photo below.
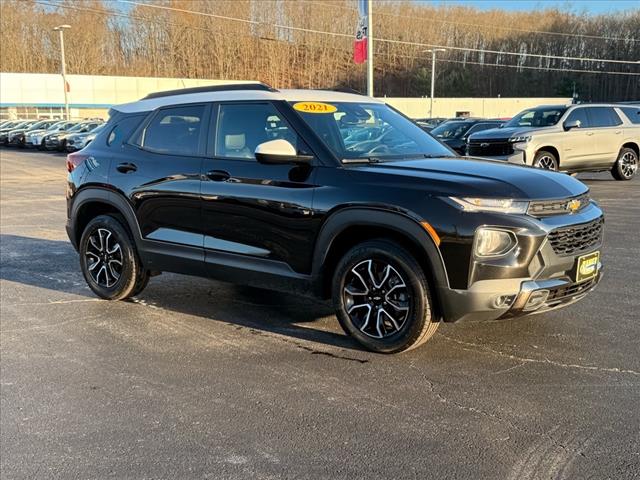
(344, 90)
(212, 88)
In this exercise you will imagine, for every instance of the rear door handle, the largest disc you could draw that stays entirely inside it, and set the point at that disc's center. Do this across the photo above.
(126, 167)
(589, 134)
(218, 175)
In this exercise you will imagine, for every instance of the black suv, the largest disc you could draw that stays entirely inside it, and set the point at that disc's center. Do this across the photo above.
(454, 133)
(328, 193)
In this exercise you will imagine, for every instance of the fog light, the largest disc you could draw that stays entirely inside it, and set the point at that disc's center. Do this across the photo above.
(503, 301)
(536, 300)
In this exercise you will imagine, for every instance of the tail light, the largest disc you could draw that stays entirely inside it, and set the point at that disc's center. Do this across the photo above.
(75, 159)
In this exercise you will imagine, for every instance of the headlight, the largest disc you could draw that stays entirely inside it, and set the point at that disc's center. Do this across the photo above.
(520, 139)
(491, 242)
(500, 205)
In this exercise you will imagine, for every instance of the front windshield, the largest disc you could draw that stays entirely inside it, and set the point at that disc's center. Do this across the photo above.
(369, 130)
(537, 117)
(37, 125)
(55, 126)
(451, 129)
(76, 128)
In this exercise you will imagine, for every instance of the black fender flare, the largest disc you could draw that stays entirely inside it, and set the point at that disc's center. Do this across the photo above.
(106, 196)
(372, 217)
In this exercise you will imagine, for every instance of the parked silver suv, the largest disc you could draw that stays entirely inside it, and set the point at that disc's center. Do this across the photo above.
(569, 138)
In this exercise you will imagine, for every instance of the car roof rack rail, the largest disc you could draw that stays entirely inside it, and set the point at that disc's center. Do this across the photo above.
(344, 90)
(212, 88)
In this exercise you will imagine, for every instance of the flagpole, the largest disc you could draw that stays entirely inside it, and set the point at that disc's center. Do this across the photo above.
(369, 49)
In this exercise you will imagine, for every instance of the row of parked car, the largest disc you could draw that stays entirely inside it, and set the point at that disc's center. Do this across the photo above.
(60, 135)
(568, 138)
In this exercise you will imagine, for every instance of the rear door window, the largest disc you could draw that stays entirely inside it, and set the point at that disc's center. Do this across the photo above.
(603, 117)
(175, 131)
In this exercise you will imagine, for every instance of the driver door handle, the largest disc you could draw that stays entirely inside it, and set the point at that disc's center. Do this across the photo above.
(218, 175)
(589, 134)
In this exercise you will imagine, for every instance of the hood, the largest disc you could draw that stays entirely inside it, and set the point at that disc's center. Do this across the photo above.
(505, 133)
(458, 176)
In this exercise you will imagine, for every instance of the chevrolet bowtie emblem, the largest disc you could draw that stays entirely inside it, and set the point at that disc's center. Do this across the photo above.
(573, 206)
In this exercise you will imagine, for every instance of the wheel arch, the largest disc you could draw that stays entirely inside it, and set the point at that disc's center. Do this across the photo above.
(633, 146)
(350, 226)
(550, 149)
(93, 201)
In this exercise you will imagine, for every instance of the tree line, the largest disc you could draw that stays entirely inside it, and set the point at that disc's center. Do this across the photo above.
(279, 43)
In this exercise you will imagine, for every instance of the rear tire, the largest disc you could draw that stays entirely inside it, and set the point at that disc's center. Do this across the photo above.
(382, 297)
(109, 260)
(546, 161)
(626, 165)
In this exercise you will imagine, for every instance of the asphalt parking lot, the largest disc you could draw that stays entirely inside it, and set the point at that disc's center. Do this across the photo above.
(198, 379)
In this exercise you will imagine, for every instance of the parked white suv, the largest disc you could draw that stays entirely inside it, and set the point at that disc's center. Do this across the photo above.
(569, 138)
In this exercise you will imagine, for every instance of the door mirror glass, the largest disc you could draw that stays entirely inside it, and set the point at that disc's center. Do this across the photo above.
(278, 152)
(569, 124)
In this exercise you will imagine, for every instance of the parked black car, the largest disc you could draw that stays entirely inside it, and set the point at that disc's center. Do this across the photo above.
(274, 189)
(5, 132)
(454, 133)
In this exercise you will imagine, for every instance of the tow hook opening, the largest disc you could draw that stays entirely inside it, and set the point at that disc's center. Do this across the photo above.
(536, 300)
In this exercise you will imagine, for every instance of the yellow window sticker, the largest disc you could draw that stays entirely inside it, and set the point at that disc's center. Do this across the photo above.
(314, 107)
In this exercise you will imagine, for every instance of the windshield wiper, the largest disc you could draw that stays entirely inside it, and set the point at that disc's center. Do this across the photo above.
(361, 160)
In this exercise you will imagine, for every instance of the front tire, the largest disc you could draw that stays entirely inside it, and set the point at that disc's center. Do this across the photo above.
(109, 260)
(626, 165)
(382, 297)
(546, 161)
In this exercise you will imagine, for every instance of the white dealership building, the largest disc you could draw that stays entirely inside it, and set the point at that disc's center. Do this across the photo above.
(36, 95)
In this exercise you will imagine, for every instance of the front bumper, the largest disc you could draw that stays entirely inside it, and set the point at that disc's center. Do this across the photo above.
(52, 144)
(517, 157)
(494, 299)
(541, 274)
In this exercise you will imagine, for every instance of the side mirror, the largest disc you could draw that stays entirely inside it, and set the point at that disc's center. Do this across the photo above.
(279, 152)
(572, 124)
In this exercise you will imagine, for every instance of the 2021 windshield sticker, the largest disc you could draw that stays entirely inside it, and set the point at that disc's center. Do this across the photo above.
(314, 107)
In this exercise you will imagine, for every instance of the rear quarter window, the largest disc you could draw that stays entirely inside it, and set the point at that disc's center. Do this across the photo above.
(632, 113)
(122, 128)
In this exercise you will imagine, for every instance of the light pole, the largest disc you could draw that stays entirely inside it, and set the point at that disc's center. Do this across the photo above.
(433, 75)
(60, 29)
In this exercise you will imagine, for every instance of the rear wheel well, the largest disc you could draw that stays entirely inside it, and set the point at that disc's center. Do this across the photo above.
(632, 146)
(91, 210)
(355, 234)
(550, 149)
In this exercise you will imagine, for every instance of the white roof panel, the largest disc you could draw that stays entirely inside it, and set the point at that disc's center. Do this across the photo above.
(230, 95)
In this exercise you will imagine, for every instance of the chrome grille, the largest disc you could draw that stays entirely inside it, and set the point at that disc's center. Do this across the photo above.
(545, 208)
(576, 238)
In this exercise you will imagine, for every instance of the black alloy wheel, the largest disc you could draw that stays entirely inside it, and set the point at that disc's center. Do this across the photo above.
(382, 297)
(109, 259)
